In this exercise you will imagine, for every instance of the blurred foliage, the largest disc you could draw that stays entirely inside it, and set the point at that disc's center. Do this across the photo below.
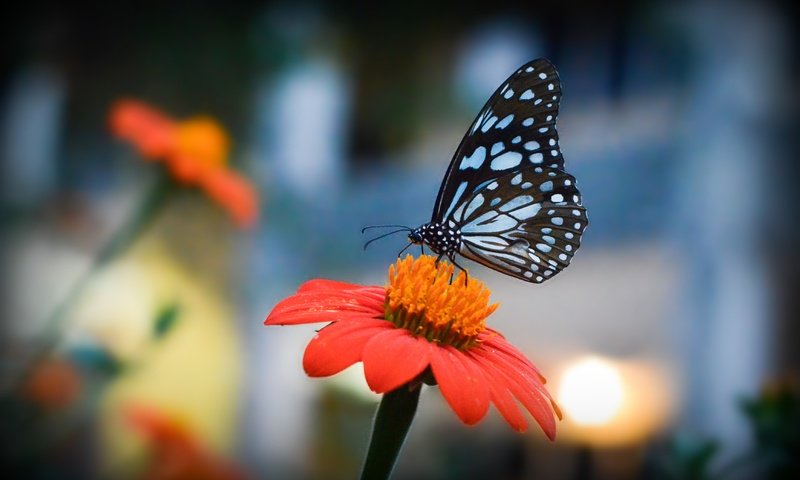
(687, 458)
(166, 320)
(50, 416)
(774, 420)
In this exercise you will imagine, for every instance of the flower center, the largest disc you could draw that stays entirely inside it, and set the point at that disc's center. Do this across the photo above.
(203, 140)
(421, 298)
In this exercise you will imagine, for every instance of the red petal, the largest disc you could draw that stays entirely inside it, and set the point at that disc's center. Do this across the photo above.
(498, 342)
(502, 397)
(148, 129)
(340, 345)
(521, 366)
(325, 306)
(234, 193)
(324, 284)
(524, 384)
(462, 383)
(394, 358)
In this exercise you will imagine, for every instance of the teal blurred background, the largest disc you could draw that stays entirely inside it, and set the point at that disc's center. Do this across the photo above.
(678, 119)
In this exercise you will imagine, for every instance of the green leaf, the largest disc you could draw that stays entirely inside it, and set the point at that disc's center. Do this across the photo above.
(166, 318)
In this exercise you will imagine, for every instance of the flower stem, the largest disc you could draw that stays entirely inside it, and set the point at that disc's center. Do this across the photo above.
(119, 242)
(392, 422)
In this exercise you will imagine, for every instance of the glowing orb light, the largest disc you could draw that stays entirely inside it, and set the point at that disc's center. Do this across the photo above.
(591, 391)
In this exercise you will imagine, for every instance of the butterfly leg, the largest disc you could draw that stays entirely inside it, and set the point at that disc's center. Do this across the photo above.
(466, 273)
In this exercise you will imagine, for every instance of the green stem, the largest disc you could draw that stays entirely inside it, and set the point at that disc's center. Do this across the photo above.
(392, 422)
(119, 242)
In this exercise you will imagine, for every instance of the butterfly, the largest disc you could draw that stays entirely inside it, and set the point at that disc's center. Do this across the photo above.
(506, 201)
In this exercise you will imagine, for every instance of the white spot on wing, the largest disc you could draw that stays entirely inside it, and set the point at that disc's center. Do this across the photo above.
(497, 148)
(546, 186)
(505, 121)
(456, 198)
(488, 124)
(489, 242)
(526, 95)
(516, 202)
(498, 223)
(475, 160)
(475, 203)
(506, 161)
(525, 213)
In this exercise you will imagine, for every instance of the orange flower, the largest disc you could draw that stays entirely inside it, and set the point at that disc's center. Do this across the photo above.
(176, 454)
(195, 152)
(150, 131)
(53, 384)
(421, 323)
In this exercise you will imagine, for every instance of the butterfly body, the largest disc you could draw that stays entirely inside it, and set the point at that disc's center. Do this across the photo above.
(506, 201)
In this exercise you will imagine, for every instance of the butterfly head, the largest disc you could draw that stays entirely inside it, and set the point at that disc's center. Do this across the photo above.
(415, 236)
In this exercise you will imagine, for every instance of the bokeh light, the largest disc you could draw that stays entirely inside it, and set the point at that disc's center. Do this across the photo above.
(591, 391)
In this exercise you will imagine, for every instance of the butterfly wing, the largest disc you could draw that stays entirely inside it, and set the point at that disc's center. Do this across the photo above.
(515, 128)
(527, 223)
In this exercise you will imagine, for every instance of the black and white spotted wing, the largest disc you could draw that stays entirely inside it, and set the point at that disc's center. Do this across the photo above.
(517, 124)
(506, 201)
(526, 223)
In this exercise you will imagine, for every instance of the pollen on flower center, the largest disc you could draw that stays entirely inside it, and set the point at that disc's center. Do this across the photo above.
(421, 298)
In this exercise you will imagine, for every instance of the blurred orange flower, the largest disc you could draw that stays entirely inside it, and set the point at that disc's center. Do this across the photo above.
(53, 384)
(195, 151)
(176, 454)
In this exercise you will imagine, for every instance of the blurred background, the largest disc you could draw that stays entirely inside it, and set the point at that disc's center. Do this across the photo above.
(671, 340)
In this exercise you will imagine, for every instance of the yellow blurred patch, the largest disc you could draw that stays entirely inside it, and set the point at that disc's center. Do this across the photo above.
(193, 372)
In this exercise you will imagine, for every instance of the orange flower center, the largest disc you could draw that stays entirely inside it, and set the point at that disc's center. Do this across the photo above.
(203, 140)
(421, 298)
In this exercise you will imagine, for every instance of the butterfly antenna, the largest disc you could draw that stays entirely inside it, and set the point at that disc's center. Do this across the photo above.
(370, 227)
(404, 229)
